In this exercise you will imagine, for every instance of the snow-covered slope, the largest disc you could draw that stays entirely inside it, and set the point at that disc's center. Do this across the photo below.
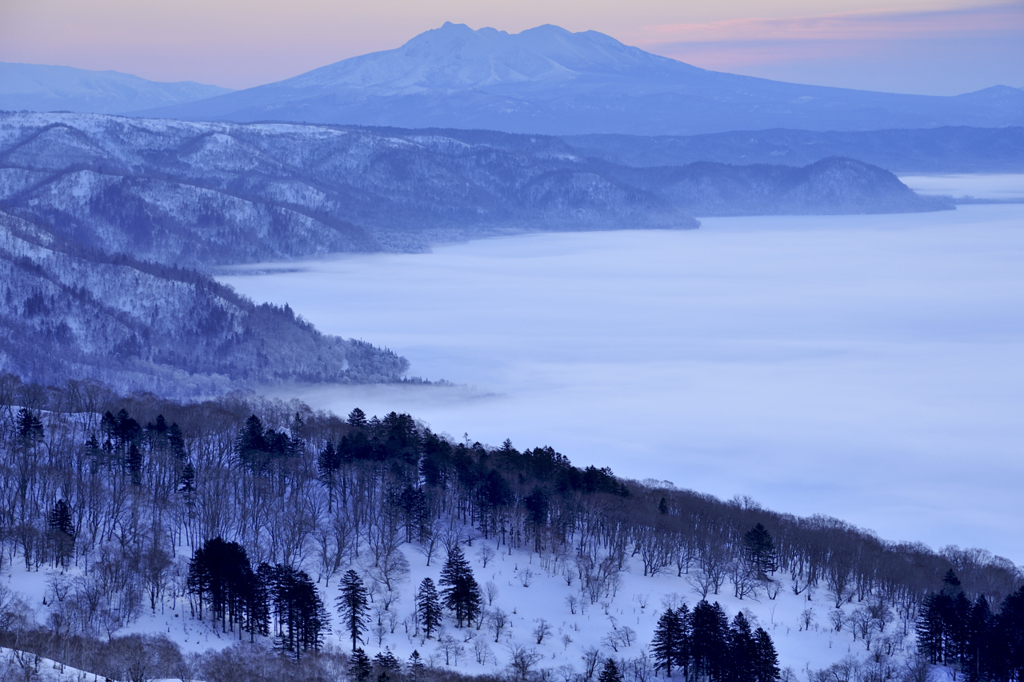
(548, 80)
(212, 193)
(68, 312)
(531, 588)
(37, 87)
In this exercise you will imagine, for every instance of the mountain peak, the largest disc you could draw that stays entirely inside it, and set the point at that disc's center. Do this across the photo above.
(457, 57)
(547, 79)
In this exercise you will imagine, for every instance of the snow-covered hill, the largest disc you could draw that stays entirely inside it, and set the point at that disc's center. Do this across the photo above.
(538, 597)
(202, 194)
(119, 537)
(68, 312)
(36, 87)
(548, 80)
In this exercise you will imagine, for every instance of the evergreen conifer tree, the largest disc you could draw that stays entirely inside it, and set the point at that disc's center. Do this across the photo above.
(1010, 637)
(357, 418)
(668, 641)
(461, 593)
(30, 428)
(352, 605)
(359, 667)
(62, 528)
(760, 550)
(977, 663)
(708, 640)
(742, 650)
(766, 665)
(386, 660)
(610, 672)
(134, 464)
(428, 607)
(416, 665)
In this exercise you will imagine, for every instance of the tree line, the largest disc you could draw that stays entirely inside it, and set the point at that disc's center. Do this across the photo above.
(967, 636)
(131, 489)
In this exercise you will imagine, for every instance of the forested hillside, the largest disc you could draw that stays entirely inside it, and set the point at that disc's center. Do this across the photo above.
(201, 194)
(958, 149)
(69, 311)
(299, 532)
(98, 214)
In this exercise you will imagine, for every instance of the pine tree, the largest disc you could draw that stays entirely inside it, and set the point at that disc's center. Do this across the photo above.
(668, 641)
(708, 640)
(416, 665)
(30, 428)
(327, 464)
(760, 550)
(176, 441)
(978, 654)
(62, 528)
(359, 667)
(357, 418)
(352, 604)
(60, 519)
(428, 607)
(684, 658)
(461, 593)
(931, 635)
(1010, 636)
(742, 649)
(766, 664)
(134, 464)
(610, 672)
(386, 660)
(187, 481)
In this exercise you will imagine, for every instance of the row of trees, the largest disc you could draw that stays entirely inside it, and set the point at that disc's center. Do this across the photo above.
(137, 486)
(968, 636)
(271, 599)
(702, 645)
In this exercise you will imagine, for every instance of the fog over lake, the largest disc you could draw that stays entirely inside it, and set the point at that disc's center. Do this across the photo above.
(864, 367)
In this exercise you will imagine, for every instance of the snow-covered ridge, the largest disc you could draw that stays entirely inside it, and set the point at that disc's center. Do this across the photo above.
(37, 87)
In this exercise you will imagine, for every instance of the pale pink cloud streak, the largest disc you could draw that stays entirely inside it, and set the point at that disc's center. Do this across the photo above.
(848, 26)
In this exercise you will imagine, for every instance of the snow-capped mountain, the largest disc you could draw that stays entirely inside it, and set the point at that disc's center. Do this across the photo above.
(36, 87)
(548, 80)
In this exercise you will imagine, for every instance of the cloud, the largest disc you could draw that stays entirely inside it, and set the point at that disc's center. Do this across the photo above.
(986, 20)
(936, 52)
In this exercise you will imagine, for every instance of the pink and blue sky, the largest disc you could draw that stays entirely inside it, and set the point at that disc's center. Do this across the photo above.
(916, 46)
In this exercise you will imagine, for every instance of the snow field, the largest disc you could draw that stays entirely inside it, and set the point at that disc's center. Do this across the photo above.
(530, 587)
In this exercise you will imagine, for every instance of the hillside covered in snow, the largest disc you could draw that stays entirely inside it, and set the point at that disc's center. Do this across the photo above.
(71, 312)
(201, 194)
(222, 541)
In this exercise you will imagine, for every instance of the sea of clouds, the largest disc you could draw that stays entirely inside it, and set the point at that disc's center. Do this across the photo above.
(865, 367)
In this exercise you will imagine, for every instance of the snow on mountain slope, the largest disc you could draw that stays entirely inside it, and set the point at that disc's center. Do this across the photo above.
(548, 80)
(455, 57)
(38, 87)
(533, 587)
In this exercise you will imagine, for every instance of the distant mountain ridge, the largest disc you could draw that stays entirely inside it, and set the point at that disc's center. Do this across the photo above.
(203, 194)
(99, 213)
(73, 312)
(547, 80)
(936, 150)
(36, 87)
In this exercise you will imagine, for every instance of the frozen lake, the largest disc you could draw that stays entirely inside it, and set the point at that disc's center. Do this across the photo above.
(864, 367)
(1002, 186)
